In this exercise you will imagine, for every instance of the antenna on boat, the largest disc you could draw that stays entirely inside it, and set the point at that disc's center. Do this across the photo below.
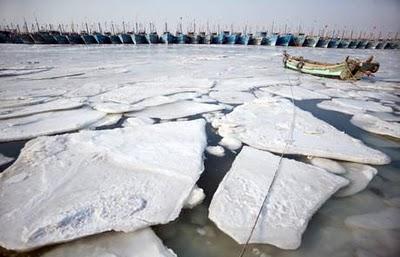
(285, 28)
(351, 34)
(180, 25)
(37, 24)
(26, 26)
(112, 28)
(136, 27)
(166, 27)
(100, 30)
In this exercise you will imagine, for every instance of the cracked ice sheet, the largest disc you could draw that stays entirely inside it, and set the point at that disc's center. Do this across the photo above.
(47, 123)
(265, 124)
(353, 106)
(232, 97)
(375, 125)
(297, 193)
(5, 159)
(299, 93)
(141, 243)
(69, 186)
(55, 105)
(176, 110)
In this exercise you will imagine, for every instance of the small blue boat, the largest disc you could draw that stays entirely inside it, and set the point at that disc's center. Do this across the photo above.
(271, 39)
(125, 38)
(284, 40)
(334, 43)
(220, 38)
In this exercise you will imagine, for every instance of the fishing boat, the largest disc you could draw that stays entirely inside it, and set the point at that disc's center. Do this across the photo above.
(26, 38)
(323, 42)
(259, 38)
(140, 38)
(167, 38)
(334, 43)
(270, 39)
(311, 41)
(219, 38)
(201, 38)
(298, 39)
(75, 38)
(391, 44)
(349, 69)
(344, 43)
(243, 39)
(209, 39)
(153, 38)
(372, 44)
(126, 38)
(353, 44)
(60, 38)
(113, 38)
(102, 39)
(191, 38)
(284, 40)
(181, 38)
(362, 43)
(231, 38)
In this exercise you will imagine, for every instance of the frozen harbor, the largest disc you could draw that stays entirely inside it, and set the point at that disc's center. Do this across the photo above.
(130, 138)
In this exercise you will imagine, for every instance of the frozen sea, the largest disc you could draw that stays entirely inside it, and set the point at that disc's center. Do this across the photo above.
(51, 90)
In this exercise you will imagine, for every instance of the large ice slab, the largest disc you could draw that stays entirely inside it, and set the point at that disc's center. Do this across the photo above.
(376, 125)
(297, 193)
(142, 243)
(68, 186)
(359, 176)
(353, 106)
(55, 105)
(47, 123)
(176, 110)
(298, 93)
(266, 122)
(232, 97)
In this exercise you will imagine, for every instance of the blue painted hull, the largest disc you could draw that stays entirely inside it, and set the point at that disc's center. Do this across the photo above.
(182, 39)
(75, 39)
(334, 43)
(244, 40)
(323, 43)
(372, 44)
(362, 44)
(89, 39)
(126, 38)
(102, 39)
(231, 39)
(140, 39)
(115, 39)
(218, 39)
(298, 40)
(344, 43)
(167, 38)
(61, 39)
(311, 41)
(27, 39)
(353, 44)
(284, 40)
(153, 38)
(270, 40)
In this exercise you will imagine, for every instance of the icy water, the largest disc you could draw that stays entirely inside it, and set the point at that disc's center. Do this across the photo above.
(43, 72)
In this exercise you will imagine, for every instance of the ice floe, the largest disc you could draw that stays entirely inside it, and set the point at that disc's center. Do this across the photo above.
(55, 105)
(231, 143)
(5, 159)
(353, 106)
(141, 243)
(176, 110)
(298, 93)
(47, 123)
(297, 193)
(195, 198)
(328, 165)
(137, 121)
(388, 218)
(266, 123)
(108, 120)
(216, 150)
(69, 186)
(232, 97)
(359, 176)
(376, 125)
(114, 107)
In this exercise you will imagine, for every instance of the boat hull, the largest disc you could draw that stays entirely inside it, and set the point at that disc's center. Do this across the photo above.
(102, 39)
(270, 40)
(334, 43)
(126, 38)
(362, 44)
(298, 40)
(323, 43)
(344, 43)
(61, 39)
(284, 40)
(75, 39)
(311, 41)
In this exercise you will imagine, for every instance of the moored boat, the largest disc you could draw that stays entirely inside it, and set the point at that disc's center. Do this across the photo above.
(60, 38)
(243, 39)
(102, 39)
(167, 38)
(140, 38)
(126, 38)
(353, 44)
(344, 43)
(153, 38)
(349, 69)
(201, 38)
(271, 39)
(311, 41)
(181, 38)
(26, 38)
(259, 38)
(334, 43)
(75, 38)
(362, 43)
(372, 44)
(323, 42)
(231, 38)
(298, 39)
(284, 40)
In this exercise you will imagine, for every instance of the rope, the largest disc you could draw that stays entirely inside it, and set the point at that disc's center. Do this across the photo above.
(289, 141)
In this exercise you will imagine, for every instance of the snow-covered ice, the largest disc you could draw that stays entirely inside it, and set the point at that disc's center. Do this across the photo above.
(195, 197)
(232, 97)
(359, 176)
(376, 125)
(297, 193)
(353, 106)
(68, 186)
(47, 123)
(141, 243)
(328, 165)
(265, 124)
(137, 121)
(176, 110)
(231, 143)
(216, 150)
(108, 120)
(298, 93)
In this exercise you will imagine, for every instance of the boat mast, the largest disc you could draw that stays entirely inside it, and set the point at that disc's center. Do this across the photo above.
(37, 24)
(87, 28)
(272, 28)
(100, 30)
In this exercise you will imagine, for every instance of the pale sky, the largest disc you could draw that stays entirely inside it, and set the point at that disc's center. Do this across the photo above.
(359, 15)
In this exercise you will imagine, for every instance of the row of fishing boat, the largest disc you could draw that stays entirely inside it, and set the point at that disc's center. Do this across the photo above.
(225, 37)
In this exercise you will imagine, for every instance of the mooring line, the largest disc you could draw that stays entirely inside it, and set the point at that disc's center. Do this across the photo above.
(289, 141)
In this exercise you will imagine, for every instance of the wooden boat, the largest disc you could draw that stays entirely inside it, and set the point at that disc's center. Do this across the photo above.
(349, 69)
